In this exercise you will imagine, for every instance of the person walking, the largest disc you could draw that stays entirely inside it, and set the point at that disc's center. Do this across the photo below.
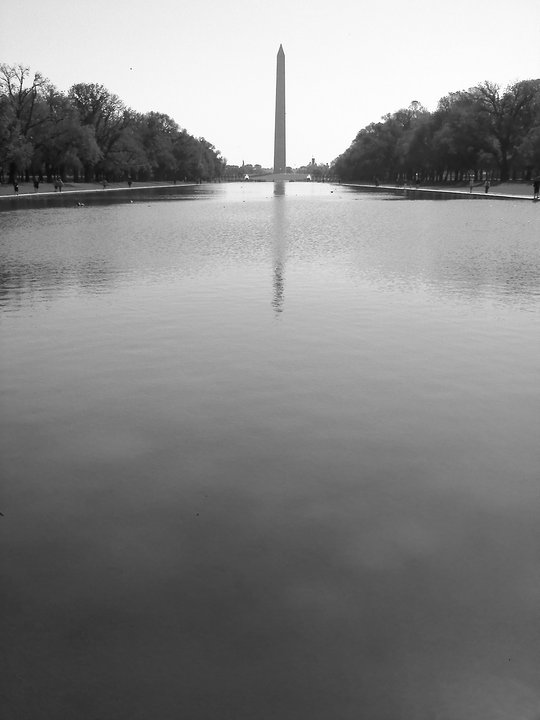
(15, 187)
(486, 185)
(536, 188)
(471, 183)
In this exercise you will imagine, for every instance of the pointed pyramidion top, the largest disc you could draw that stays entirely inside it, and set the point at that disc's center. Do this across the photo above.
(281, 49)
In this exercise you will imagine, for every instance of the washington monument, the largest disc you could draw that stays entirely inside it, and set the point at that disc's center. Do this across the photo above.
(280, 166)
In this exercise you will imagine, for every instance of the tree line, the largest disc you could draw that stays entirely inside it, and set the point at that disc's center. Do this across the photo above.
(88, 134)
(483, 132)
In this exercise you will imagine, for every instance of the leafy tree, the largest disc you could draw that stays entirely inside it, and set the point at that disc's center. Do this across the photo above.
(60, 141)
(483, 130)
(528, 151)
(158, 135)
(197, 159)
(378, 151)
(131, 154)
(460, 137)
(509, 116)
(19, 116)
(106, 114)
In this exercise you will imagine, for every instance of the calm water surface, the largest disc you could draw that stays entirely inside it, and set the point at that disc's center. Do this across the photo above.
(271, 452)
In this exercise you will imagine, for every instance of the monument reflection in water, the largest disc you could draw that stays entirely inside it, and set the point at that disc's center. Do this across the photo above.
(271, 451)
(280, 248)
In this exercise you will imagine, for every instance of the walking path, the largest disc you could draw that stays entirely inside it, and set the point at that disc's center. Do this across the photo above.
(48, 188)
(503, 191)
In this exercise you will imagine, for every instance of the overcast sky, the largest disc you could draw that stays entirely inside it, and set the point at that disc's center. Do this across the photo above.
(211, 65)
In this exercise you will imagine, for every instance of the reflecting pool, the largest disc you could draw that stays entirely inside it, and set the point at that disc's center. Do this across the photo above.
(271, 452)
